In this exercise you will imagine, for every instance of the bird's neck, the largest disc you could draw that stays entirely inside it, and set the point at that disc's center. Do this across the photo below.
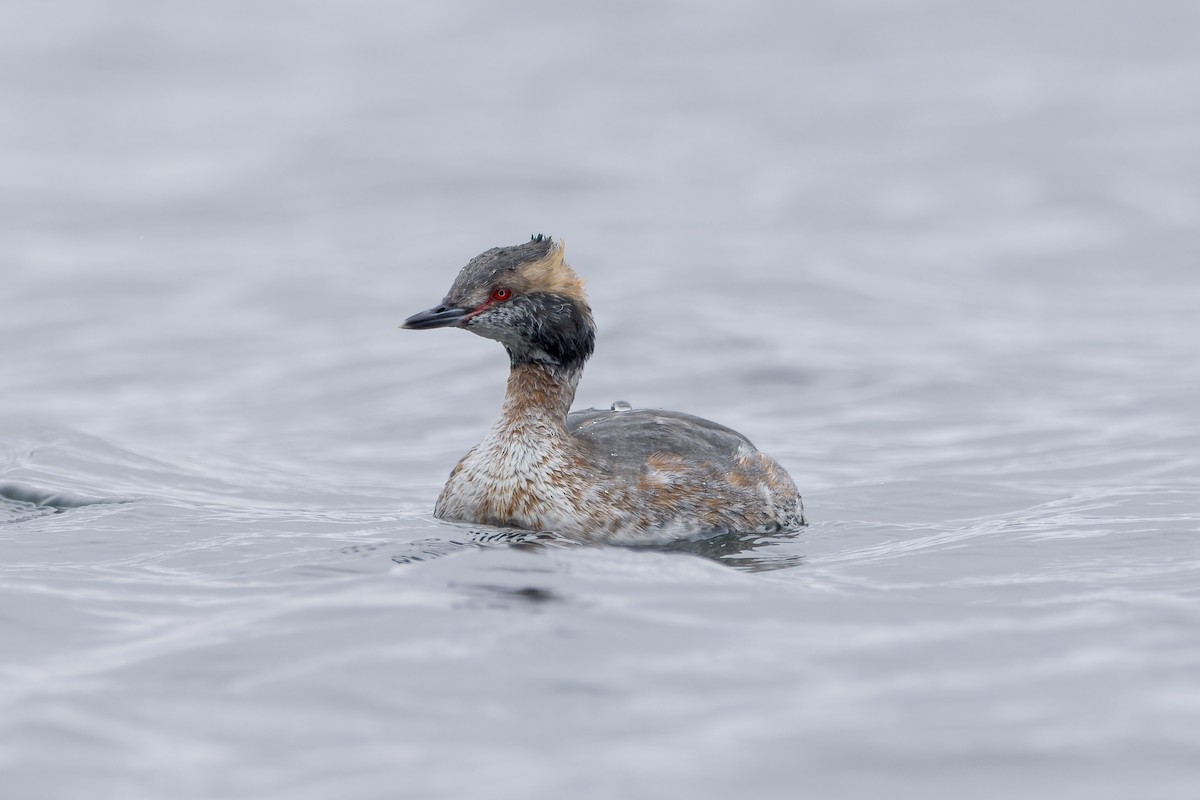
(538, 398)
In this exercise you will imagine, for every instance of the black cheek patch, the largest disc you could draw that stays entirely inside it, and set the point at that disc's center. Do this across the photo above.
(558, 327)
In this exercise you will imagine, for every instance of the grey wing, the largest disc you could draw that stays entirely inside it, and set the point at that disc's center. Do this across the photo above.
(628, 438)
(690, 471)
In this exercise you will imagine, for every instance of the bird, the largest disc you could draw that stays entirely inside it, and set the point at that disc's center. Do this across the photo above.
(618, 475)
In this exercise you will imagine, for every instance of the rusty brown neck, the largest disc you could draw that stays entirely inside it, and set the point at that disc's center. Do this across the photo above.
(540, 391)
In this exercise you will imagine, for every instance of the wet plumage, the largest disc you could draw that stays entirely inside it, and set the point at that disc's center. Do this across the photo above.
(616, 475)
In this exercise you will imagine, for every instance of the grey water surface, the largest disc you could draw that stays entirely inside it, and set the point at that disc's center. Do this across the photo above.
(942, 260)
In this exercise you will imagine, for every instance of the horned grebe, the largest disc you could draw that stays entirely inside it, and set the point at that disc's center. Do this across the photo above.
(616, 475)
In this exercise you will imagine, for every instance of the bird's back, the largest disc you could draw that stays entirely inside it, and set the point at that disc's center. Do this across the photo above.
(687, 469)
(628, 438)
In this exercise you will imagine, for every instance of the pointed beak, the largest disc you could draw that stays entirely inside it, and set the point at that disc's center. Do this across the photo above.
(441, 317)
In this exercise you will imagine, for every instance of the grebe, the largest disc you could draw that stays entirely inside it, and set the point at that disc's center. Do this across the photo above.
(616, 475)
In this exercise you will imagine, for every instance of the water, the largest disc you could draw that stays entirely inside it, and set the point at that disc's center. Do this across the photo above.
(938, 259)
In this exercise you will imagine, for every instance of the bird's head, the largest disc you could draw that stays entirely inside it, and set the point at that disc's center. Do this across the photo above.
(525, 297)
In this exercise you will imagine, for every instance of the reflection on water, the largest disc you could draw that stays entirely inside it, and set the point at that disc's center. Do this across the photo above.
(748, 552)
(528, 595)
(426, 549)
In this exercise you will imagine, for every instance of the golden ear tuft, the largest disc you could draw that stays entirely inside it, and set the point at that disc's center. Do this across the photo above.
(553, 275)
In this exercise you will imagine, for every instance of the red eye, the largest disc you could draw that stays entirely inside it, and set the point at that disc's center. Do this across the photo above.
(500, 295)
